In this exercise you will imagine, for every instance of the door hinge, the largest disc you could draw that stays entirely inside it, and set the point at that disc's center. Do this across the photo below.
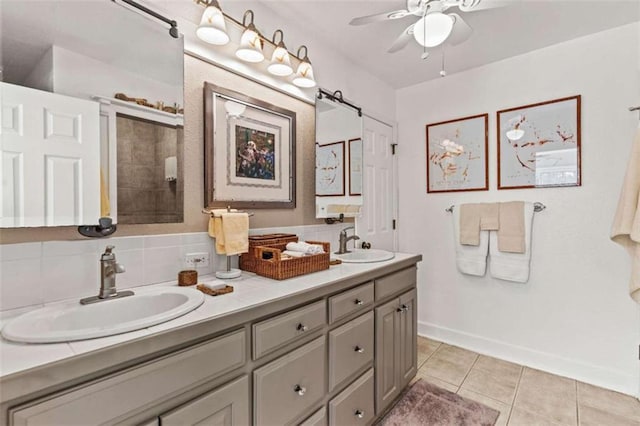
(393, 148)
(393, 224)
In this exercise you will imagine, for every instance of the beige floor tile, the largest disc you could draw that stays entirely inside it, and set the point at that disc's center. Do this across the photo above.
(503, 408)
(448, 371)
(590, 416)
(500, 388)
(548, 396)
(520, 417)
(509, 371)
(426, 348)
(435, 381)
(609, 401)
(455, 354)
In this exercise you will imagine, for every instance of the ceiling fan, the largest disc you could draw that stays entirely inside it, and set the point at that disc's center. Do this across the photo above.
(433, 27)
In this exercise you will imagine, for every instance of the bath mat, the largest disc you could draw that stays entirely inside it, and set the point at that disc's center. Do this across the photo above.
(427, 404)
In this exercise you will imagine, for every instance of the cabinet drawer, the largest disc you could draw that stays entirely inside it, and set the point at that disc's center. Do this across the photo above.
(350, 301)
(226, 405)
(354, 405)
(275, 332)
(290, 385)
(350, 348)
(319, 418)
(111, 399)
(395, 283)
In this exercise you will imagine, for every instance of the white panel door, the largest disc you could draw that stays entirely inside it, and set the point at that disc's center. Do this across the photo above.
(378, 213)
(50, 158)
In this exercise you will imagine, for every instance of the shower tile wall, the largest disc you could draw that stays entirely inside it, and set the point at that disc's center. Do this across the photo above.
(144, 196)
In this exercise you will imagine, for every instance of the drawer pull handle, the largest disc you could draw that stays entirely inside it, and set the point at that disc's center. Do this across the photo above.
(359, 349)
(358, 302)
(299, 390)
(359, 414)
(301, 327)
(402, 308)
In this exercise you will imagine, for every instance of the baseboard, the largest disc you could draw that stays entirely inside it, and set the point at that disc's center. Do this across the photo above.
(592, 374)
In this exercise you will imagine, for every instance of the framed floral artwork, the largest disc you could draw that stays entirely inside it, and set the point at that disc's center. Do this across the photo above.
(457, 154)
(539, 145)
(249, 151)
(330, 169)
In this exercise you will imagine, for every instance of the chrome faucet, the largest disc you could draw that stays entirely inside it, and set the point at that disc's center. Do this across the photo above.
(108, 270)
(342, 249)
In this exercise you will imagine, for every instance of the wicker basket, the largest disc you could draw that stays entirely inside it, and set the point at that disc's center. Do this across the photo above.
(248, 260)
(280, 269)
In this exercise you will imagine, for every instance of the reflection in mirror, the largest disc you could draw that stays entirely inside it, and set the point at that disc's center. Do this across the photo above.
(338, 160)
(91, 117)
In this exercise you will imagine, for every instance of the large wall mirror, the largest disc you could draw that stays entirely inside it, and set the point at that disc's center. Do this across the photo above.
(91, 99)
(338, 159)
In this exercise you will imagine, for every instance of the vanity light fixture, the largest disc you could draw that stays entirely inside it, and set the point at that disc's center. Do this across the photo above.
(280, 60)
(212, 28)
(304, 75)
(433, 29)
(250, 49)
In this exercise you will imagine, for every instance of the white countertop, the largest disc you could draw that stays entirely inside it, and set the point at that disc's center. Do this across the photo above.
(249, 290)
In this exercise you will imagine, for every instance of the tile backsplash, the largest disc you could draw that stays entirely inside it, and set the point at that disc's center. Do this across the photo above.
(42, 272)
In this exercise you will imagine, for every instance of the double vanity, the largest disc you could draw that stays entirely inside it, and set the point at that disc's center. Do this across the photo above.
(334, 347)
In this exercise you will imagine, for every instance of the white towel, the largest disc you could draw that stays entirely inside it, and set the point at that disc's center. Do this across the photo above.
(306, 248)
(471, 260)
(294, 253)
(512, 266)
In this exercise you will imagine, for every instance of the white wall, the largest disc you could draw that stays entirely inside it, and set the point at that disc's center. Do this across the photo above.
(101, 79)
(574, 317)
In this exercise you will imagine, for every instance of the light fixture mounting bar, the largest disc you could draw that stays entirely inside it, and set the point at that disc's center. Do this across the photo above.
(173, 31)
(337, 97)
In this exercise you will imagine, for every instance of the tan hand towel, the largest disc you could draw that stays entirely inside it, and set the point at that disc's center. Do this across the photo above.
(626, 224)
(215, 228)
(511, 237)
(475, 217)
(235, 229)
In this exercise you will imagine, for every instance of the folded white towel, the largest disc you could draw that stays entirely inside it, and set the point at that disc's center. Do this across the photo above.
(306, 248)
(470, 260)
(513, 266)
(294, 253)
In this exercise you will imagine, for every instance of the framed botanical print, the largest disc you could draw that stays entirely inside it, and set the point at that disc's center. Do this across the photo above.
(457, 154)
(330, 169)
(539, 144)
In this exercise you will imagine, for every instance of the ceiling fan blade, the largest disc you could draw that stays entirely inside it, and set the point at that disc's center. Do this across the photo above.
(402, 40)
(474, 5)
(461, 31)
(395, 14)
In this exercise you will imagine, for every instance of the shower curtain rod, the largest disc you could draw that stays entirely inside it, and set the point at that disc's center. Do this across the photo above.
(537, 207)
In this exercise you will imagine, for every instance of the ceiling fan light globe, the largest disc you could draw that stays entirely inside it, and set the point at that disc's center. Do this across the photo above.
(438, 27)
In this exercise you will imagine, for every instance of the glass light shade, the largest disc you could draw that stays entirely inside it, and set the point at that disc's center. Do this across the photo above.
(515, 134)
(438, 27)
(212, 28)
(304, 75)
(280, 62)
(250, 49)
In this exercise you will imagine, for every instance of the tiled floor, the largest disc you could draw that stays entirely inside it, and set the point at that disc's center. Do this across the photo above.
(524, 396)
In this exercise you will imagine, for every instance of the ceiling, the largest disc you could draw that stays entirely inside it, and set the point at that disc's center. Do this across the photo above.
(523, 26)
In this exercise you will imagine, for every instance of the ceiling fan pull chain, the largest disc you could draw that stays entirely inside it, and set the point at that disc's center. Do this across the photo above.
(443, 73)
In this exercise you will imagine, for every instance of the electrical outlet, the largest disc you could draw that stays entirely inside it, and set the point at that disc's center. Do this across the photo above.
(197, 260)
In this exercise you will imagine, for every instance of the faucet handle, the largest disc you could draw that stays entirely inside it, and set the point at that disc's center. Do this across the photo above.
(120, 268)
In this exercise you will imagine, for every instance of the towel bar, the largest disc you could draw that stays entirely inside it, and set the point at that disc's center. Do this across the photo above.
(537, 207)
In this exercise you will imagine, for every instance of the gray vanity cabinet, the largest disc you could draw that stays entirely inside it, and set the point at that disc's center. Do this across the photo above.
(227, 405)
(396, 357)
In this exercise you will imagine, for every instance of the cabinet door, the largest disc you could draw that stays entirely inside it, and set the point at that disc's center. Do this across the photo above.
(225, 406)
(407, 323)
(387, 354)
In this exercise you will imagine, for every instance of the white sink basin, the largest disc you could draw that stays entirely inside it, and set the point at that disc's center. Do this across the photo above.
(68, 321)
(366, 256)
